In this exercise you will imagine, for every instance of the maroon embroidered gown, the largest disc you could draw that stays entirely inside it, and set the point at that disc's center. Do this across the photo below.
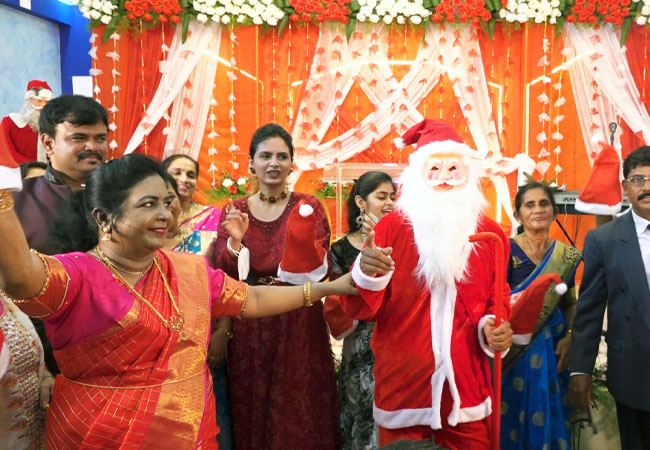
(281, 379)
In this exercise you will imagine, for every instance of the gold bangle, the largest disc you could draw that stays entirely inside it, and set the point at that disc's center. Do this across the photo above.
(306, 294)
(6, 201)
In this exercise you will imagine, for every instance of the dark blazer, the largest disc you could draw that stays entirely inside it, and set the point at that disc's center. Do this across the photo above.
(614, 277)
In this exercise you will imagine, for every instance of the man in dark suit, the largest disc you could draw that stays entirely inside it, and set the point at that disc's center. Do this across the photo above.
(616, 274)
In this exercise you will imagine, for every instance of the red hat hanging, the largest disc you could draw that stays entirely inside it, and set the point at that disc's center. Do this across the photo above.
(603, 193)
(304, 258)
(526, 306)
(40, 90)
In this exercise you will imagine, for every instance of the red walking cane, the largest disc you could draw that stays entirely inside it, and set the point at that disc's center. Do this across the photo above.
(500, 277)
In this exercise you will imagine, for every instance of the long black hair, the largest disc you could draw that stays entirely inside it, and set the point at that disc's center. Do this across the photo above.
(363, 187)
(519, 198)
(75, 229)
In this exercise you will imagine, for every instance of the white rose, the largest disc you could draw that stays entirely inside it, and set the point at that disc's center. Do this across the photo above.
(510, 17)
(242, 181)
(416, 20)
(374, 18)
(362, 2)
(211, 3)
(645, 11)
(97, 4)
(361, 17)
(105, 20)
(502, 13)
(555, 3)
(87, 3)
(522, 18)
(107, 9)
(196, 5)
(95, 15)
(227, 182)
(387, 19)
(401, 20)
(210, 11)
(241, 19)
(539, 19)
(257, 20)
(372, 3)
(365, 10)
(202, 18)
(216, 18)
(641, 20)
(552, 20)
(225, 20)
(273, 22)
(522, 8)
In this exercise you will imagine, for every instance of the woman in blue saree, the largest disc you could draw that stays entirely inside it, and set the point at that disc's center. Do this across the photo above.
(535, 410)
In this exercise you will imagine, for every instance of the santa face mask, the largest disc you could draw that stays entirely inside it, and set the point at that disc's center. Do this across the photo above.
(445, 172)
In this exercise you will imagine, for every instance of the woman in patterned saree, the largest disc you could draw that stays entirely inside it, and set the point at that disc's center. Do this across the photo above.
(129, 323)
(196, 228)
(535, 413)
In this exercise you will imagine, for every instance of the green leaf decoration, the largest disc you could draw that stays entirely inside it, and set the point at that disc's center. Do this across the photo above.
(349, 29)
(185, 23)
(625, 30)
(283, 24)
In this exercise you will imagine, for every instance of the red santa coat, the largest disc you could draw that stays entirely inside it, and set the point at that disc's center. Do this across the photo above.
(418, 330)
(21, 140)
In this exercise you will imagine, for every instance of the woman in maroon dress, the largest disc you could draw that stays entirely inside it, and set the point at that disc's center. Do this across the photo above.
(280, 369)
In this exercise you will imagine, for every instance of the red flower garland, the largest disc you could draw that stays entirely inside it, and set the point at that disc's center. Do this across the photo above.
(595, 11)
(153, 10)
(319, 10)
(462, 11)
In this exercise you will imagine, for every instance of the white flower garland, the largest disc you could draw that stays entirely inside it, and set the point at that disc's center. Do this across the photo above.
(392, 11)
(97, 10)
(244, 12)
(539, 11)
(643, 16)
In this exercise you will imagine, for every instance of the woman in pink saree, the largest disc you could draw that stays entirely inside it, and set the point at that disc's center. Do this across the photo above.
(130, 323)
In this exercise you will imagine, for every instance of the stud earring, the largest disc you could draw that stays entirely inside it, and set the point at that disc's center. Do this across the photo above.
(252, 170)
(107, 233)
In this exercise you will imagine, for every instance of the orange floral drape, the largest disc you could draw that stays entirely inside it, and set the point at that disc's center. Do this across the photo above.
(270, 72)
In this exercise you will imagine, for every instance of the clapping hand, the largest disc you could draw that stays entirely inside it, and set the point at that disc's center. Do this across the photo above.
(235, 223)
(375, 260)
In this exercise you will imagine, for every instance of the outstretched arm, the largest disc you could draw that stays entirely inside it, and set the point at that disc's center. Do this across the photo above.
(22, 273)
(271, 300)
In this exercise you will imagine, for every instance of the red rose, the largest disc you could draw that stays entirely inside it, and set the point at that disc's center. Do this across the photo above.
(162, 18)
(320, 185)
(175, 19)
(320, 18)
(128, 6)
(592, 19)
(235, 178)
(571, 19)
(248, 186)
(436, 18)
(130, 16)
(625, 2)
(345, 19)
(294, 17)
(147, 17)
(233, 189)
(306, 17)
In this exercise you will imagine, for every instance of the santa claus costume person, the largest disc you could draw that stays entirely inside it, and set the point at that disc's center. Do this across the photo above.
(431, 293)
(20, 130)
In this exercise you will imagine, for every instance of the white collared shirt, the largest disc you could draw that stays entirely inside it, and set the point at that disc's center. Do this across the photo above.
(643, 234)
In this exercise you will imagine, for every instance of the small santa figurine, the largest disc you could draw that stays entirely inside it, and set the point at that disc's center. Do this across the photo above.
(21, 129)
(432, 295)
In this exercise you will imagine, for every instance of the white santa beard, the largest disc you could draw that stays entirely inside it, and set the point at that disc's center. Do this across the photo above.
(31, 115)
(442, 223)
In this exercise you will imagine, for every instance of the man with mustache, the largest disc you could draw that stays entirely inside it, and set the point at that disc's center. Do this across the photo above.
(432, 295)
(74, 133)
(616, 278)
(20, 130)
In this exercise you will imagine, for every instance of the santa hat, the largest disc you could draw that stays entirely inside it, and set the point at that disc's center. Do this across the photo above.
(304, 258)
(526, 306)
(38, 89)
(434, 136)
(9, 170)
(602, 193)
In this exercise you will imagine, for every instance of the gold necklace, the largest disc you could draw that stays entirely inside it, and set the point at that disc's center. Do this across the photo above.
(546, 247)
(176, 323)
(119, 267)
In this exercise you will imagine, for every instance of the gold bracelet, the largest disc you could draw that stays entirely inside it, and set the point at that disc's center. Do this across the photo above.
(306, 294)
(6, 201)
(23, 301)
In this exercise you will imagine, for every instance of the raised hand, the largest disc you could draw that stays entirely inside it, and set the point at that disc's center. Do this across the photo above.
(235, 223)
(369, 222)
(375, 260)
(500, 338)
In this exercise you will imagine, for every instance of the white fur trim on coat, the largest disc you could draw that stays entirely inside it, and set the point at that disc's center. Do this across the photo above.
(481, 337)
(301, 278)
(522, 339)
(402, 418)
(367, 282)
(348, 332)
(18, 119)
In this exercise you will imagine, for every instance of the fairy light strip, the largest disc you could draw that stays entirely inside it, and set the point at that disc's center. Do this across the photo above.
(144, 92)
(231, 98)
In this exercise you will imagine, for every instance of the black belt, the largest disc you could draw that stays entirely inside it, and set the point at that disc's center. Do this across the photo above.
(267, 280)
